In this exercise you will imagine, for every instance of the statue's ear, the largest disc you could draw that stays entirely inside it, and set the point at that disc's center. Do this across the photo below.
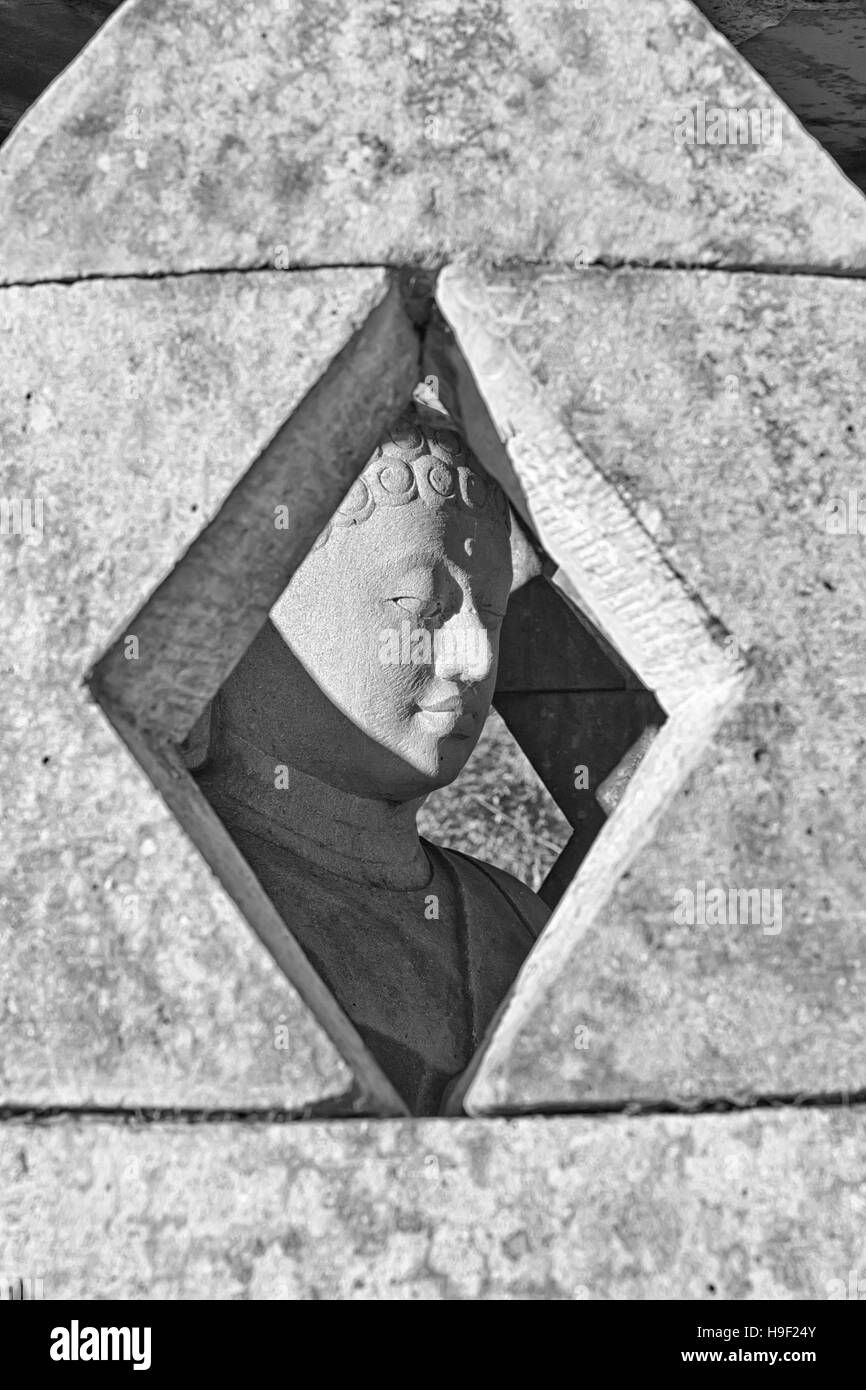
(443, 362)
(197, 748)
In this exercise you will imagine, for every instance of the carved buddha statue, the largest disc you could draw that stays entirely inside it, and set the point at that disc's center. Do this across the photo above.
(369, 690)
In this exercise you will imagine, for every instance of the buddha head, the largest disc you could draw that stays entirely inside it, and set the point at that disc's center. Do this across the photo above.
(378, 672)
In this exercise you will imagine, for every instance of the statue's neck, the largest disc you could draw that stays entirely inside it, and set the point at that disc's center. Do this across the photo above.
(370, 842)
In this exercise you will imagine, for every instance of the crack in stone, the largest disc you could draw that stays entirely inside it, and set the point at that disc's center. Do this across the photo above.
(148, 276)
(608, 263)
(351, 1107)
(701, 1105)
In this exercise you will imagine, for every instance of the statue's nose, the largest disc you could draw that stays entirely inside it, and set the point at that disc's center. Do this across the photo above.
(463, 650)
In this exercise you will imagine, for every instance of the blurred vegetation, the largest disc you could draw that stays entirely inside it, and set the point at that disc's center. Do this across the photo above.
(498, 810)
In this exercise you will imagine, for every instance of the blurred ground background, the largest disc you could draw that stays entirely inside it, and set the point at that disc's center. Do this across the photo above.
(499, 810)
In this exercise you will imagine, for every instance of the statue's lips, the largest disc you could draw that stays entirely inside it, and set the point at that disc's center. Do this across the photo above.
(449, 718)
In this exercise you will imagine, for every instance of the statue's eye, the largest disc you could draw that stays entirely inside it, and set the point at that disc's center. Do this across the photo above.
(424, 609)
(493, 615)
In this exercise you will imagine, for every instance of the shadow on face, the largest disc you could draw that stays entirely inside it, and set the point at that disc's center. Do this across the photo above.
(379, 669)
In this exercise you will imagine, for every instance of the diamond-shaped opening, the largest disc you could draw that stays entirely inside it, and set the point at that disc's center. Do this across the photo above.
(259, 707)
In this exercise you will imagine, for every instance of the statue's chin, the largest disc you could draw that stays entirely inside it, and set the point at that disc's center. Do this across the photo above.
(446, 760)
(405, 759)
(422, 770)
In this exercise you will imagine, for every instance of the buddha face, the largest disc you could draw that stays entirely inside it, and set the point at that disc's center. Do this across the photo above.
(395, 622)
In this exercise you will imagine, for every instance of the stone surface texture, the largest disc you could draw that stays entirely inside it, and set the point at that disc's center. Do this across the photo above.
(130, 409)
(619, 579)
(727, 411)
(276, 131)
(767, 1205)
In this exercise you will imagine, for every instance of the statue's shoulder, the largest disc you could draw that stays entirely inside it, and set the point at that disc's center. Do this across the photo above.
(527, 904)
